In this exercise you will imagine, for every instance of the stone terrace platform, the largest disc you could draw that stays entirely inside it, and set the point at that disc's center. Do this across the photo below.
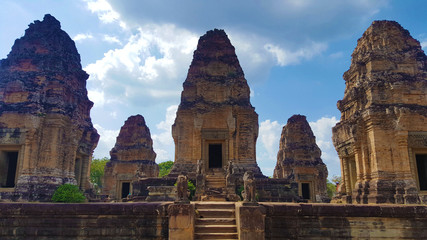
(167, 220)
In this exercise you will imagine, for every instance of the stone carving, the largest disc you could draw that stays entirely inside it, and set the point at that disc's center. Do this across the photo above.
(132, 157)
(182, 189)
(44, 115)
(298, 160)
(384, 105)
(200, 167)
(215, 121)
(200, 180)
(249, 187)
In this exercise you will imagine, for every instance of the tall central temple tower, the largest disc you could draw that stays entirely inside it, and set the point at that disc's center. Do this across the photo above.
(215, 121)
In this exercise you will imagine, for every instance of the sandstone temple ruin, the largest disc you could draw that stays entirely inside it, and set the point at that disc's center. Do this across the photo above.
(216, 126)
(382, 136)
(299, 160)
(215, 122)
(47, 138)
(132, 158)
(46, 134)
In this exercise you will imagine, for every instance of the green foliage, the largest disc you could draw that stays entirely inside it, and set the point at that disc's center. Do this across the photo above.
(239, 192)
(165, 168)
(330, 188)
(68, 193)
(191, 188)
(97, 172)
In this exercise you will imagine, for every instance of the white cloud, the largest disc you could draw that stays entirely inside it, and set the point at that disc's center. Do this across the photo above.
(97, 97)
(286, 57)
(111, 39)
(424, 45)
(322, 129)
(269, 133)
(163, 142)
(336, 55)
(150, 67)
(106, 142)
(82, 36)
(105, 12)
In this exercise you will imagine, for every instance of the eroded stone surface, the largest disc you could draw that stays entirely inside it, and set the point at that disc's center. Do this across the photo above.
(132, 157)
(298, 159)
(215, 110)
(383, 123)
(44, 114)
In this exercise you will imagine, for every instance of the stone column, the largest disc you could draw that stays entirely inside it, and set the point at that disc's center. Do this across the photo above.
(181, 221)
(250, 218)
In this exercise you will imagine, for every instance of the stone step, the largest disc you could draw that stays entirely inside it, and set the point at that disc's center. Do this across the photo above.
(216, 213)
(216, 180)
(216, 228)
(214, 197)
(215, 236)
(215, 205)
(215, 221)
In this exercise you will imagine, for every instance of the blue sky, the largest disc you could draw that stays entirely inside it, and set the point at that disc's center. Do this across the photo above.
(293, 53)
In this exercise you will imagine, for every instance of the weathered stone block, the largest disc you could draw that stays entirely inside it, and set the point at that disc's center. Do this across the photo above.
(181, 221)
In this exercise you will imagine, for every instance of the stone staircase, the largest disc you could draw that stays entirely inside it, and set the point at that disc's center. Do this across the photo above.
(215, 186)
(215, 220)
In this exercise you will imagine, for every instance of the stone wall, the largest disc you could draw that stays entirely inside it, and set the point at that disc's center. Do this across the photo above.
(83, 221)
(151, 221)
(331, 221)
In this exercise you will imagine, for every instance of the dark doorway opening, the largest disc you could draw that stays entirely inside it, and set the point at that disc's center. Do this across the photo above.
(215, 155)
(125, 189)
(8, 165)
(305, 190)
(422, 170)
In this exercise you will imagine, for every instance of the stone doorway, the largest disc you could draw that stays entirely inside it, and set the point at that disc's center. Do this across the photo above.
(215, 155)
(305, 191)
(125, 189)
(422, 170)
(8, 166)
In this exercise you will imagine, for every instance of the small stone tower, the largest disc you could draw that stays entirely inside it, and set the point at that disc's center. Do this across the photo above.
(381, 138)
(132, 158)
(298, 160)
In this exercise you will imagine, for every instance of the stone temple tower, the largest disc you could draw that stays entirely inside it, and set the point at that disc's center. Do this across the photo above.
(215, 121)
(132, 158)
(381, 138)
(298, 160)
(46, 134)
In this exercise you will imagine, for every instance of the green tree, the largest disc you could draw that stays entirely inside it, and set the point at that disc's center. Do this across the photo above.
(165, 168)
(330, 188)
(68, 193)
(97, 172)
